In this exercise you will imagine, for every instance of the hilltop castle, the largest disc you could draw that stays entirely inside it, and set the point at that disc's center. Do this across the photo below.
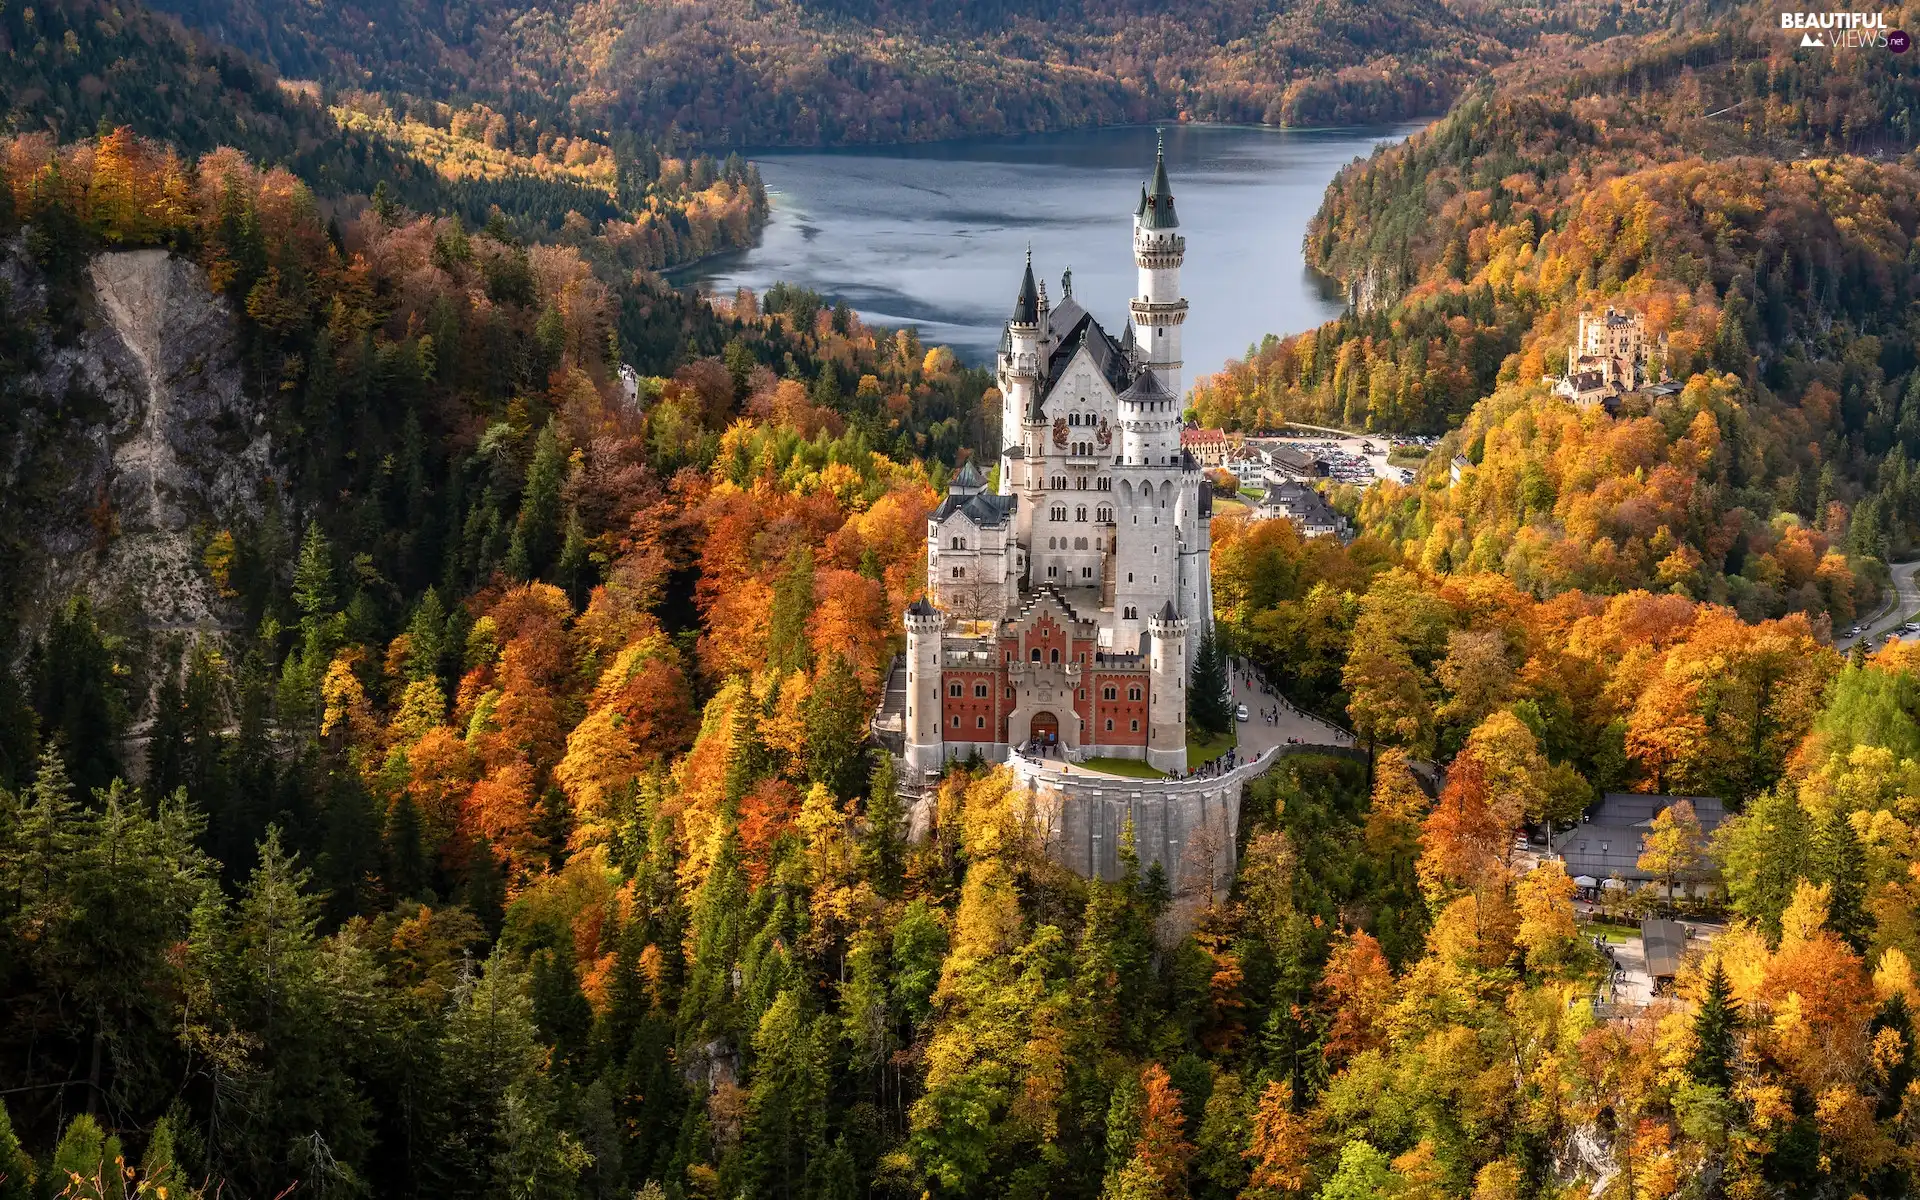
(1068, 600)
(1610, 356)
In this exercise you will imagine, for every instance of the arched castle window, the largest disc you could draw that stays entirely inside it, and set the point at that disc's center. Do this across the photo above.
(1133, 693)
(953, 689)
(1110, 693)
(1104, 516)
(1053, 656)
(1036, 654)
(1080, 514)
(980, 690)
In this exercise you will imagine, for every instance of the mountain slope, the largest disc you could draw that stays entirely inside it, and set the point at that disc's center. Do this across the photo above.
(745, 72)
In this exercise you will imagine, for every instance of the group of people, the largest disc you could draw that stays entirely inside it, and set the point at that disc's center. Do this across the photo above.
(1210, 770)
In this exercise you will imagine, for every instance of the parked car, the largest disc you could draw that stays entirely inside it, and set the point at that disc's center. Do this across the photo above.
(1240, 713)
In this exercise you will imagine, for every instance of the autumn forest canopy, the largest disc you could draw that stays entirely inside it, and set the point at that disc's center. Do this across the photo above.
(448, 770)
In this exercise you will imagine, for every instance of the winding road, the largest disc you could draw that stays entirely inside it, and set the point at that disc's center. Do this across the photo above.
(1904, 602)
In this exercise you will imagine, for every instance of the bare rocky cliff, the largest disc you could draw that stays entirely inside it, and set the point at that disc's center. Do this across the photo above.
(139, 444)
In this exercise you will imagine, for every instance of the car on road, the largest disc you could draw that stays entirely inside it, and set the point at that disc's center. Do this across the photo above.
(1240, 713)
(1856, 631)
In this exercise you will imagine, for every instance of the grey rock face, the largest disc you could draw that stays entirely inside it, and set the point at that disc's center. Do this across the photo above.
(170, 451)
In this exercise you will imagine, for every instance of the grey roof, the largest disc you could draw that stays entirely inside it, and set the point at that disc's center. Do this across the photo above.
(967, 478)
(1167, 612)
(1141, 210)
(1065, 316)
(1108, 358)
(1127, 344)
(1610, 840)
(985, 509)
(1666, 944)
(920, 608)
(1147, 386)
(1639, 808)
(1026, 309)
(1160, 214)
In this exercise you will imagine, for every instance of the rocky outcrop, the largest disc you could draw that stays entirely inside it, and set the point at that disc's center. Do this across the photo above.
(160, 446)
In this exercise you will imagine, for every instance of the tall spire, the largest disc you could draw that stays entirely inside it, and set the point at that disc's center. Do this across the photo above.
(1026, 310)
(1159, 201)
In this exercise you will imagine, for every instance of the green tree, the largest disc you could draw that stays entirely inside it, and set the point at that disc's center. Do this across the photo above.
(787, 1113)
(836, 719)
(1762, 853)
(787, 648)
(537, 532)
(16, 1169)
(1714, 1025)
(1839, 860)
(1363, 1174)
(1209, 703)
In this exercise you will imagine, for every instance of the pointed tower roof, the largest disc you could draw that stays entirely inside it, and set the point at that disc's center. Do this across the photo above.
(1026, 310)
(967, 478)
(1159, 200)
(1167, 613)
(1141, 209)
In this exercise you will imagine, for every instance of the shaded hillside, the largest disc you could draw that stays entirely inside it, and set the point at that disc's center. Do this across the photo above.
(743, 73)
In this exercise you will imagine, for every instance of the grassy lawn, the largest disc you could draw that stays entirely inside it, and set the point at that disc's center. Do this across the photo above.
(1610, 931)
(1207, 751)
(1253, 494)
(1131, 768)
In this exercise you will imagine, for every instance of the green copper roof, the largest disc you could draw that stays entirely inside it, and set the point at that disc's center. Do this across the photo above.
(1159, 212)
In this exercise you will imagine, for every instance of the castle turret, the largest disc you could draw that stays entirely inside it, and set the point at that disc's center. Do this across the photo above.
(1019, 368)
(926, 749)
(1167, 690)
(1159, 311)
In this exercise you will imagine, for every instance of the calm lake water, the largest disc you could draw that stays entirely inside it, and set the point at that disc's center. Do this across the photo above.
(933, 235)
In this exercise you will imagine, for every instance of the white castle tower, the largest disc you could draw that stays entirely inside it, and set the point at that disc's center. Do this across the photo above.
(1064, 605)
(1159, 310)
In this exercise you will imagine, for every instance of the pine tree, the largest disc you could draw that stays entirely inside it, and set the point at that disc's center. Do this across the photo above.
(16, 1169)
(536, 534)
(1839, 860)
(313, 592)
(883, 842)
(1714, 1025)
(1209, 702)
(836, 719)
(77, 692)
(787, 649)
(787, 1113)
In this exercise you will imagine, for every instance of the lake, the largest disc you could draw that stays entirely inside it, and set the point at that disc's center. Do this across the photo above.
(933, 235)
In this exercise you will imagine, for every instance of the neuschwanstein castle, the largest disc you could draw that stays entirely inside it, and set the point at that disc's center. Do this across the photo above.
(1067, 600)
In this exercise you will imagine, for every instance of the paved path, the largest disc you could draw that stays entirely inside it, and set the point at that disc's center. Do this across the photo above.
(1257, 735)
(1904, 601)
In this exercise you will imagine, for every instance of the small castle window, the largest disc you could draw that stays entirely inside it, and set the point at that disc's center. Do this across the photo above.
(953, 689)
(1133, 693)
(1110, 693)
(1134, 724)
(1036, 654)
(1053, 655)
(1086, 572)
(1053, 572)
(956, 722)
(1080, 513)
(980, 690)
(979, 722)
(1109, 724)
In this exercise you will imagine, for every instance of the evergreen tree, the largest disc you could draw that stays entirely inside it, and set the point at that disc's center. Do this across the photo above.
(787, 1114)
(1714, 1025)
(883, 843)
(787, 649)
(78, 695)
(560, 1009)
(1210, 700)
(1839, 860)
(537, 532)
(88, 1162)
(836, 719)
(313, 592)
(16, 1169)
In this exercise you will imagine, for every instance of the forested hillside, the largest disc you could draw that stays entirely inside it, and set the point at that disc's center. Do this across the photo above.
(737, 73)
(1749, 197)
(518, 836)
(73, 67)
